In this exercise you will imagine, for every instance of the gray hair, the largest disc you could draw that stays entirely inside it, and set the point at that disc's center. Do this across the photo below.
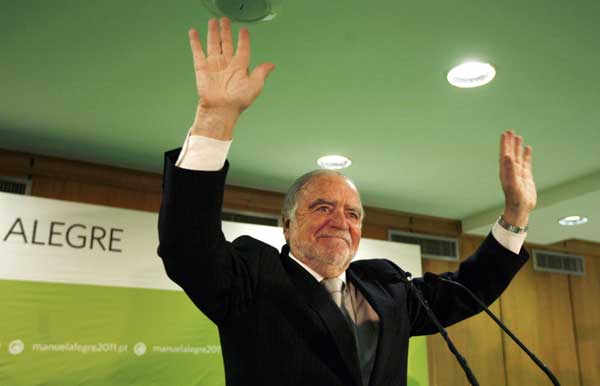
(290, 202)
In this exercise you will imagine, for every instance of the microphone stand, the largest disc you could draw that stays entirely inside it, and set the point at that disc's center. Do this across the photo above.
(430, 276)
(461, 360)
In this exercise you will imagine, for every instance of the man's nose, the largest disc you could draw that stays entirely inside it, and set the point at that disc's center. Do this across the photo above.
(338, 219)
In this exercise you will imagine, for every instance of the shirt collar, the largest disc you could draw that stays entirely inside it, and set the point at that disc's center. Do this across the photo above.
(318, 277)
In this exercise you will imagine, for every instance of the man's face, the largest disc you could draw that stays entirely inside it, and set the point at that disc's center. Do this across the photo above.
(326, 230)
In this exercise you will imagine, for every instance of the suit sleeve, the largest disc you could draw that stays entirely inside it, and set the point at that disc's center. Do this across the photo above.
(218, 276)
(487, 274)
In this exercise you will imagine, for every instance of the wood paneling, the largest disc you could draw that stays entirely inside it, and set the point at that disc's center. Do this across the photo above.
(96, 174)
(373, 231)
(252, 200)
(392, 219)
(109, 176)
(97, 194)
(537, 308)
(478, 338)
(579, 247)
(585, 296)
(15, 164)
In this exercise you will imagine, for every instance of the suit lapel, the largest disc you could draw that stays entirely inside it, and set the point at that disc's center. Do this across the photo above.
(320, 301)
(385, 307)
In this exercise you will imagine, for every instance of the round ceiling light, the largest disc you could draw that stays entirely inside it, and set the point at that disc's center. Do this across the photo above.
(245, 11)
(334, 162)
(573, 220)
(471, 74)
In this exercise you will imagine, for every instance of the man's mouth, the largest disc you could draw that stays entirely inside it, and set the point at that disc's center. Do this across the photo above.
(344, 238)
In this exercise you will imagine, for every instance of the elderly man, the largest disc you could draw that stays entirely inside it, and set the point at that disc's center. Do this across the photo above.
(307, 315)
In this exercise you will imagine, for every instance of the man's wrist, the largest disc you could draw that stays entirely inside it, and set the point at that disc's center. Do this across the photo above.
(513, 227)
(215, 122)
(517, 216)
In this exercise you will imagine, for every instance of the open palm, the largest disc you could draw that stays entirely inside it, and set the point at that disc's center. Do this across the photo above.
(516, 175)
(222, 78)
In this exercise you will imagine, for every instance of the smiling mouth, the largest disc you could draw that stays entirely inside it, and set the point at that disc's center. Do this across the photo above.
(335, 237)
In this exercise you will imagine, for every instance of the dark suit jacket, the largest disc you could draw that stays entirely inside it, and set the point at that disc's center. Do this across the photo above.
(277, 325)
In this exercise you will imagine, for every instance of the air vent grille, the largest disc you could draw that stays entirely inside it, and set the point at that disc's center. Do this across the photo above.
(432, 247)
(555, 262)
(248, 218)
(14, 185)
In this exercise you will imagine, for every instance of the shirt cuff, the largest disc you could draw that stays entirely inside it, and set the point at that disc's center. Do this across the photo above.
(509, 240)
(203, 153)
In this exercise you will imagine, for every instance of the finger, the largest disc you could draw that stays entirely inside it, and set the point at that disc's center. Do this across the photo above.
(242, 54)
(226, 40)
(196, 46)
(214, 39)
(518, 149)
(505, 144)
(527, 157)
(260, 74)
(507, 172)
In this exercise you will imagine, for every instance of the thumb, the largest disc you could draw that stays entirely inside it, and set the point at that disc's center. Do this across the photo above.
(261, 73)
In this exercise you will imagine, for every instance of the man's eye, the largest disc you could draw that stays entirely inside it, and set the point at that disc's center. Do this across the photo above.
(323, 209)
(354, 215)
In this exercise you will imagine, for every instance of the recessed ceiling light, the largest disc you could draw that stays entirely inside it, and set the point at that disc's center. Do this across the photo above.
(334, 162)
(572, 220)
(245, 11)
(471, 74)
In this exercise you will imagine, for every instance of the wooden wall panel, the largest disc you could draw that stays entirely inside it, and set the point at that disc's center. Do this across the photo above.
(373, 231)
(537, 308)
(89, 173)
(478, 338)
(412, 223)
(252, 200)
(14, 163)
(585, 296)
(97, 194)
(577, 247)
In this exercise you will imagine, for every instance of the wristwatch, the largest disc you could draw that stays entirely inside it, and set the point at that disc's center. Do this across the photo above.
(510, 227)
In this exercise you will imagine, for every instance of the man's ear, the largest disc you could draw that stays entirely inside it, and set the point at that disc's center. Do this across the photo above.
(286, 226)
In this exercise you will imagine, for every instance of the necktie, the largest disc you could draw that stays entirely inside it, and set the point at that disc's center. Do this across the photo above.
(365, 330)
(336, 288)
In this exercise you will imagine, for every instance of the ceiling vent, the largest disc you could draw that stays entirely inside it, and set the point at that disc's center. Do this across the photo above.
(432, 247)
(15, 185)
(249, 218)
(555, 262)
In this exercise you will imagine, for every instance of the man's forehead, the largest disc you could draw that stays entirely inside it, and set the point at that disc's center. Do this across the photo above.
(326, 181)
(330, 187)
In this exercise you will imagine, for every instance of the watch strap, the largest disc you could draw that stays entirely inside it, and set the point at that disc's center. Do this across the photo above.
(511, 228)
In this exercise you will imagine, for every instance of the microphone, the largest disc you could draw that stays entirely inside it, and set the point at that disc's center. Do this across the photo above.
(431, 277)
(406, 278)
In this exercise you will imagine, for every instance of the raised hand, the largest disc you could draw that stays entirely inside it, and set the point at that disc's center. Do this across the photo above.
(225, 88)
(516, 177)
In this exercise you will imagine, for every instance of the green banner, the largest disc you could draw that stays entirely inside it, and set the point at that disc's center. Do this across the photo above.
(64, 334)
